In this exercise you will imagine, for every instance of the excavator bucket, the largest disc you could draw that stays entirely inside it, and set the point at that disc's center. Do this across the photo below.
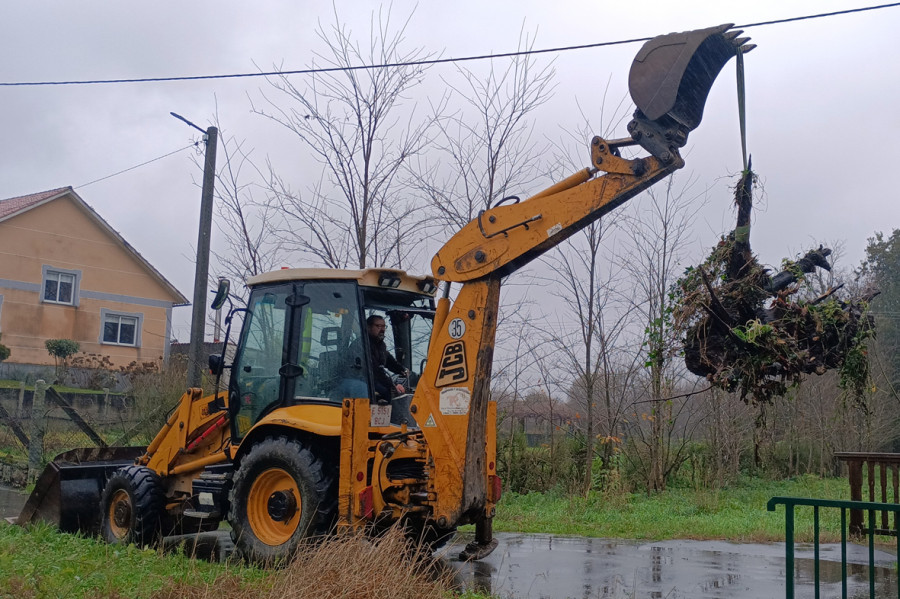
(67, 494)
(672, 74)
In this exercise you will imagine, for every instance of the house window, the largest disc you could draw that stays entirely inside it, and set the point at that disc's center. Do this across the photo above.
(120, 328)
(61, 286)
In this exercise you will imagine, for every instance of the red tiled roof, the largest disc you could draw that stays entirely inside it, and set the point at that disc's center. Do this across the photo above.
(12, 205)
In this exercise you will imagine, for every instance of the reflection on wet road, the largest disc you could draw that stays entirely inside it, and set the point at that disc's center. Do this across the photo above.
(546, 566)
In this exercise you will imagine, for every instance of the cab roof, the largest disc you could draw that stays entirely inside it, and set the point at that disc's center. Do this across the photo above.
(385, 278)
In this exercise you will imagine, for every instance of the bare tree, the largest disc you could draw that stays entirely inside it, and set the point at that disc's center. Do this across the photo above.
(244, 219)
(586, 284)
(358, 126)
(486, 146)
(587, 341)
(657, 230)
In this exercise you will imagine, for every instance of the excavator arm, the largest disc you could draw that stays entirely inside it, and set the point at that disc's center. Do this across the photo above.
(669, 82)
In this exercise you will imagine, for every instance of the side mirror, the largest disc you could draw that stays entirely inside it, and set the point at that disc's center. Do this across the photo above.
(216, 364)
(221, 294)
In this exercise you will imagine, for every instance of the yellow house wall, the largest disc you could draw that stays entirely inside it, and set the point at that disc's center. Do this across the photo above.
(61, 235)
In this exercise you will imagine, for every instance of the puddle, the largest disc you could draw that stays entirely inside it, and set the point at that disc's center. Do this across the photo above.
(546, 566)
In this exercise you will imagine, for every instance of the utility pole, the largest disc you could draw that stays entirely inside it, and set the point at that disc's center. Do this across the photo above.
(201, 275)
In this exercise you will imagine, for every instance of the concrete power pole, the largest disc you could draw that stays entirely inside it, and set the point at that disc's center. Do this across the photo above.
(198, 318)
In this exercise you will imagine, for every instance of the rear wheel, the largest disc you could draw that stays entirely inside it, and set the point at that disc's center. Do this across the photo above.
(131, 506)
(281, 496)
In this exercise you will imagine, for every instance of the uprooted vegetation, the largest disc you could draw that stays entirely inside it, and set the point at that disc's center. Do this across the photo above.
(749, 332)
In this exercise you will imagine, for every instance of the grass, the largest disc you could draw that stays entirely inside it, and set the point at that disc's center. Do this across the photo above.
(40, 562)
(736, 513)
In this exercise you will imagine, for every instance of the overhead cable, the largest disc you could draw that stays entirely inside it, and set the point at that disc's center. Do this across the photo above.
(131, 168)
(426, 62)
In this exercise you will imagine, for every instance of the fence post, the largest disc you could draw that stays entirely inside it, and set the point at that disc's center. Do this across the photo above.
(36, 445)
(105, 411)
(855, 475)
(20, 408)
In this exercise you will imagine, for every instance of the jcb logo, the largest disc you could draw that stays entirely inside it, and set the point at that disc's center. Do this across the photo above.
(453, 365)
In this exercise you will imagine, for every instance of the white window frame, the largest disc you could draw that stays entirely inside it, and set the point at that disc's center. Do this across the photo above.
(138, 317)
(47, 272)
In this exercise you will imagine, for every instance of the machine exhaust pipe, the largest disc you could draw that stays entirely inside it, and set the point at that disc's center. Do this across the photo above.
(670, 79)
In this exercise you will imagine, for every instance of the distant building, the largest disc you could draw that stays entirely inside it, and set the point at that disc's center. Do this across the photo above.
(65, 273)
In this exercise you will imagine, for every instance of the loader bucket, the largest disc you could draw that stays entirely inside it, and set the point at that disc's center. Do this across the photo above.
(67, 494)
(672, 74)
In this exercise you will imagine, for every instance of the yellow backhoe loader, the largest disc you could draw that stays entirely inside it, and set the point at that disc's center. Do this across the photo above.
(298, 442)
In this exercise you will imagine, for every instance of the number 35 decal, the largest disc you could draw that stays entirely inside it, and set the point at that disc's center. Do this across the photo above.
(456, 328)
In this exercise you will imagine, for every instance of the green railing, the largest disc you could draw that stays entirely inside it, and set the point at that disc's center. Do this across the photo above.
(790, 503)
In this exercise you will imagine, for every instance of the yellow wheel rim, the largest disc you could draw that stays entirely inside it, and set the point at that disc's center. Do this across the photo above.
(119, 514)
(273, 506)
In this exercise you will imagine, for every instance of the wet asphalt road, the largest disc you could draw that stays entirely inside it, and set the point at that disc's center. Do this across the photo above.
(547, 566)
(553, 567)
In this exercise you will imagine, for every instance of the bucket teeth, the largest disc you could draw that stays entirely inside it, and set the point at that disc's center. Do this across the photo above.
(672, 74)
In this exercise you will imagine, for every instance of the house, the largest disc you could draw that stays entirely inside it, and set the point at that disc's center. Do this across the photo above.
(65, 273)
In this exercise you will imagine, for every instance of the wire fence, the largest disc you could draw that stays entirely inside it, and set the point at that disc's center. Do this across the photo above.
(37, 423)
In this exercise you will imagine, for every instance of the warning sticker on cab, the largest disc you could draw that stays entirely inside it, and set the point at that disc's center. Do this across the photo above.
(455, 401)
(430, 423)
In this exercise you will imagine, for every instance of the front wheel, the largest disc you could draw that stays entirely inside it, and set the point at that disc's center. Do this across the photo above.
(131, 505)
(280, 497)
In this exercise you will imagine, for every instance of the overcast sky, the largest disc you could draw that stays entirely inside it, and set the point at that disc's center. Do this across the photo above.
(822, 100)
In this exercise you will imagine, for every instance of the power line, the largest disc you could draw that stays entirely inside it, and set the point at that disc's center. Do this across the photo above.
(426, 62)
(135, 166)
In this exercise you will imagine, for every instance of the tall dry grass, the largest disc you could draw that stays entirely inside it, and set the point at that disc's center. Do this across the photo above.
(350, 566)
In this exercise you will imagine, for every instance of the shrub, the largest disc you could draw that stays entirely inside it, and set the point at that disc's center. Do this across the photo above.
(92, 371)
(155, 389)
(4, 352)
(61, 350)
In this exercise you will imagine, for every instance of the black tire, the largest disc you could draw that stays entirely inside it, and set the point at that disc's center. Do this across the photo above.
(269, 522)
(131, 507)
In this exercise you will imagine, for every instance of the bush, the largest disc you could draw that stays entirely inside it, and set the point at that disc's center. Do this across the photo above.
(61, 350)
(92, 371)
(156, 390)
(4, 352)
(524, 469)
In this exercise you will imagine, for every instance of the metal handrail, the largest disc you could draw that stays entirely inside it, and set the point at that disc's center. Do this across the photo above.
(790, 503)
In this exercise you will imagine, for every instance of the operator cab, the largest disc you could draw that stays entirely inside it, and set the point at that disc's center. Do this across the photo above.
(304, 337)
